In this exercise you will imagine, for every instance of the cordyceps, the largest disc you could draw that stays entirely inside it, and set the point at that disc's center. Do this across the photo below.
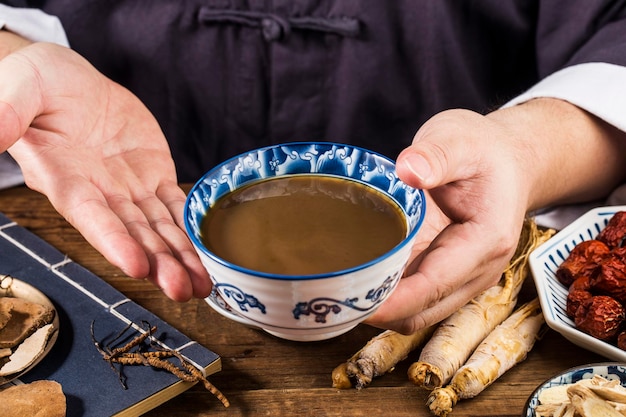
(131, 354)
(507, 345)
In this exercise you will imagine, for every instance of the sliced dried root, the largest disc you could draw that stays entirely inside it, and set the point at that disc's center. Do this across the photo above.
(555, 395)
(21, 318)
(588, 404)
(6, 312)
(507, 345)
(28, 351)
(612, 391)
(595, 397)
(39, 398)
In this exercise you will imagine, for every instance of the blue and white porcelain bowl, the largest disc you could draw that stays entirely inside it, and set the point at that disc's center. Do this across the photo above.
(306, 307)
(607, 370)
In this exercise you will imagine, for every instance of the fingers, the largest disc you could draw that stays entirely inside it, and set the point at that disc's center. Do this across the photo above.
(139, 236)
(174, 200)
(174, 266)
(148, 222)
(440, 286)
(88, 210)
(428, 316)
(441, 151)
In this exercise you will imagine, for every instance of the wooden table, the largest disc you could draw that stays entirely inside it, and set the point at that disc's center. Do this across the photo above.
(263, 375)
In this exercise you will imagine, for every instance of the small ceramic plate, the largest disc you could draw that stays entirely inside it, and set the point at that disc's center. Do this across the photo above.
(545, 260)
(608, 370)
(12, 287)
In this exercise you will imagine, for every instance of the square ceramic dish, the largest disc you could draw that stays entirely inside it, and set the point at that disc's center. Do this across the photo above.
(545, 260)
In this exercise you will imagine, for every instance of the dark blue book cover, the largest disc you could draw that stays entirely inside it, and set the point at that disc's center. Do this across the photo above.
(81, 298)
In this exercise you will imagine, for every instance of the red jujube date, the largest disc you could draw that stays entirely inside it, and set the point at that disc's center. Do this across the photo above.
(582, 260)
(575, 298)
(583, 282)
(615, 231)
(600, 316)
(610, 278)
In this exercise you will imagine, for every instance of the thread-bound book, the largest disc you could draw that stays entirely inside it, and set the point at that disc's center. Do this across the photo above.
(90, 309)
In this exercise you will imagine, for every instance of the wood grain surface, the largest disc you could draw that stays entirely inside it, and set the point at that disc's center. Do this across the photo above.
(266, 376)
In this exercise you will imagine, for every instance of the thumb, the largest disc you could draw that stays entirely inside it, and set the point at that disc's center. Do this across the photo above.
(20, 99)
(440, 152)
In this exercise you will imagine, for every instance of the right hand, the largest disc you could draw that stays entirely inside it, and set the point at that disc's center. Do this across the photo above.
(101, 158)
(482, 174)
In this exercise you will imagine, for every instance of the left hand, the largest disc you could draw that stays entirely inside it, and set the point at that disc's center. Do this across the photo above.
(101, 158)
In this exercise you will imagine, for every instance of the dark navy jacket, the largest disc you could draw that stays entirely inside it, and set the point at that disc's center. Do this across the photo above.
(224, 76)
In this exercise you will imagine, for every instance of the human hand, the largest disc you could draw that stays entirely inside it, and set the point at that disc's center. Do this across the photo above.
(100, 157)
(474, 214)
(482, 174)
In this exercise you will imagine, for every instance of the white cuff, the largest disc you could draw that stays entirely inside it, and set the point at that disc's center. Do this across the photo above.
(596, 87)
(36, 26)
(33, 24)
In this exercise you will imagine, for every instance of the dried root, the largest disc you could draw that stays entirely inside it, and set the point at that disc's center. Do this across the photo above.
(507, 345)
(379, 356)
(340, 377)
(126, 356)
(457, 336)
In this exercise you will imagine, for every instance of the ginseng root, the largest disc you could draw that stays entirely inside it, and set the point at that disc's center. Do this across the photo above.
(507, 345)
(379, 356)
(456, 337)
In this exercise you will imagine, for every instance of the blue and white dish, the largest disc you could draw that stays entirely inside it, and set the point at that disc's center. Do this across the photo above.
(308, 307)
(545, 260)
(607, 370)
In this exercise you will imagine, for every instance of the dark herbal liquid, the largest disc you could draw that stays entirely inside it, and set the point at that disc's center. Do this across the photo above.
(303, 225)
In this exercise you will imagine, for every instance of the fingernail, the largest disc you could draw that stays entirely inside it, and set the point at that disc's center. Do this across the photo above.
(419, 166)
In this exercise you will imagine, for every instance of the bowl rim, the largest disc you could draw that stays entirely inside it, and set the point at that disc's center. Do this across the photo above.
(198, 245)
(535, 393)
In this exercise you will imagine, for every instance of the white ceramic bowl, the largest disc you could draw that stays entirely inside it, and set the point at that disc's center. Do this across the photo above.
(608, 370)
(307, 307)
(545, 260)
